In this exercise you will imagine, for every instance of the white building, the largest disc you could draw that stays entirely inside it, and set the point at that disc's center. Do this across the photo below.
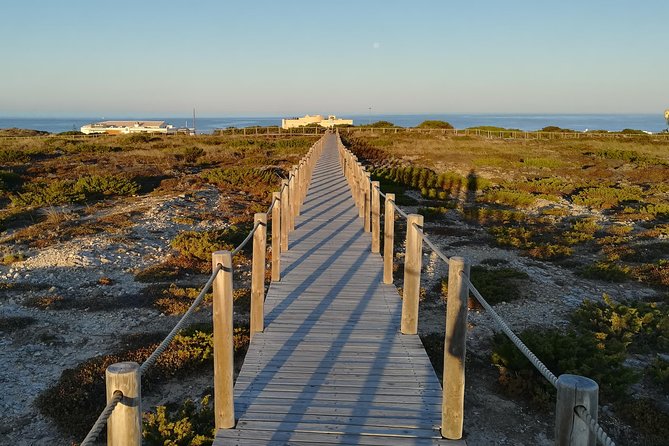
(314, 119)
(127, 127)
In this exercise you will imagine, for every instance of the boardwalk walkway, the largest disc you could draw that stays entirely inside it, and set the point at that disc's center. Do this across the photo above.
(331, 366)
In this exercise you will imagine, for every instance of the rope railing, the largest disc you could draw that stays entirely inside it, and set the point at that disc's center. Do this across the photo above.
(594, 427)
(102, 419)
(168, 339)
(540, 366)
(429, 243)
(285, 214)
(246, 240)
(573, 419)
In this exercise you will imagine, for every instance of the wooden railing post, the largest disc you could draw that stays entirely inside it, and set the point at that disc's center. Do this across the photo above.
(285, 215)
(257, 324)
(452, 405)
(276, 237)
(291, 200)
(412, 267)
(367, 201)
(298, 191)
(224, 405)
(572, 391)
(376, 217)
(124, 427)
(361, 191)
(389, 239)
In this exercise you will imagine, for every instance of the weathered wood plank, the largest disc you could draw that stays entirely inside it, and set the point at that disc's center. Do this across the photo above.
(331, 366)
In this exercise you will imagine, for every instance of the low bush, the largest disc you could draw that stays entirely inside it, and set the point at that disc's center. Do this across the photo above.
(69, 191)
(606, 271)
(498, 284)
(200, 245)
(562, 352)
(508, 198)
(78, 397)
(607, 197)
(189, 425)
(659, 371)
(619, 327)
(435, 124)
(249, 179)
(13, 156)
(10, 324)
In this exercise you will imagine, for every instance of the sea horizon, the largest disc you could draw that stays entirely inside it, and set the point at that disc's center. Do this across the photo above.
(522, 121)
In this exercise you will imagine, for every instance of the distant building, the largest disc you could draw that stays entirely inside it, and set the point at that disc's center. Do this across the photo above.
(127, 127)
(315, 119)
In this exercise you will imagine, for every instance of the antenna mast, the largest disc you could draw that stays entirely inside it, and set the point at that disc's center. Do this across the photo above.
(194, 132)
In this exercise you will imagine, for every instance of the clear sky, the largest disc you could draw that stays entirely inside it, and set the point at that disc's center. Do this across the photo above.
(257, 57)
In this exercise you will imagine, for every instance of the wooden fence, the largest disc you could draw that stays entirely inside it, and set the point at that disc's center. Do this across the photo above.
(577, 396)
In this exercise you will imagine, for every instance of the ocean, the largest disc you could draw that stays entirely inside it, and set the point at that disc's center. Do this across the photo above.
(527, 122)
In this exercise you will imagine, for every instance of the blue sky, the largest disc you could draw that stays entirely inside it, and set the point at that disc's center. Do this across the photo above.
(254, 58)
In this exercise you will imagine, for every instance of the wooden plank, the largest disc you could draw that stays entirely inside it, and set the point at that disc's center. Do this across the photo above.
(331, 366)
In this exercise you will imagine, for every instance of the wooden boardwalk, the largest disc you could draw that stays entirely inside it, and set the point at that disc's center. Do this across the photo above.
(331, 366)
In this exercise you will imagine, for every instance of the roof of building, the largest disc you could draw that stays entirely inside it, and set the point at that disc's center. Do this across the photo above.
(128, 124)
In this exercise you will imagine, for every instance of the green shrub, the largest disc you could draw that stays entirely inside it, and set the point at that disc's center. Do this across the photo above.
(606, 197)
(9, 324)
(250, 179)
(69, 191)
(188, 425)
(191, 154)
(550, 251)
(508, 197)
(659, 371)
(609, 272)
(78, 397)
(571, 352)
(435, 124)
(498, 284)
(635, 326)
(13, 156)
(9, 180)
(200, 245)
(581, 231)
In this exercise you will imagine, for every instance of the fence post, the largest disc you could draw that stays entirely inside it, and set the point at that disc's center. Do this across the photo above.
(389, 239)
(452, 405)
(285, 217)
(276, 237)
(376, 217)
(124, 426)
(257, 324)
(291, 199)
(361, 191)
(412, 266)
(572, 391)
(367, 201)
(224, 404)
(298, 191)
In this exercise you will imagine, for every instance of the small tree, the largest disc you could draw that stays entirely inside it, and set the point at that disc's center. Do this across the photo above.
(435, 124)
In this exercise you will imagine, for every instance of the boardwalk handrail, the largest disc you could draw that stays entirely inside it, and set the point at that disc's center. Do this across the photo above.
(577, 396)
(506, 134)
(124, 426)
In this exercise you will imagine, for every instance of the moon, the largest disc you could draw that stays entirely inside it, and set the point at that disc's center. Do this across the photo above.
(376, 45)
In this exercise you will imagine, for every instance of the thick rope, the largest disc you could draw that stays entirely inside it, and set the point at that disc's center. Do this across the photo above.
(400, 211)
(246, 240)
(595, 428)
(430, 244)
(163, 345)
(102, 419)
(271, 206)
(515, 339)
